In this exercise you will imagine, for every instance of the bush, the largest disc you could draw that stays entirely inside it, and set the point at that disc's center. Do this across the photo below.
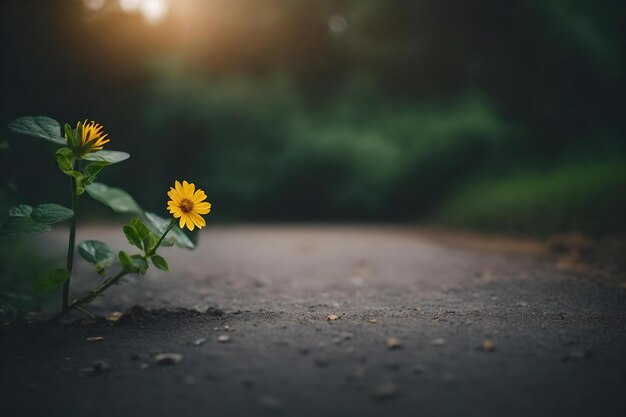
(574, 196)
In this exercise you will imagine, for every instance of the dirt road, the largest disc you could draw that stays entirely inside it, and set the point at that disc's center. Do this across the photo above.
(422, 326)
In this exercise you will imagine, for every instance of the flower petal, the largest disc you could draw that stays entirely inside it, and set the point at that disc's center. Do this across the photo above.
(189, 221)
(199, 196)
(191, 189)
(202, 208)
(179, 188)
(186, 190)
(174, 195)
(198, 220)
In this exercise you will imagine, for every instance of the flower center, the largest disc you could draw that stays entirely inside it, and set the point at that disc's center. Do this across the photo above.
(186, 205)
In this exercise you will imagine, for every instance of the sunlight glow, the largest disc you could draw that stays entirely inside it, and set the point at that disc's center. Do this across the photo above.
(130, 5)
(93, 4)
(154, 10)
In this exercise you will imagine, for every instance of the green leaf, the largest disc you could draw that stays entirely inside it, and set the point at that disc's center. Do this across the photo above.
(160, 263)
(132, 236)
(141, 229)
(51, 280)
(141, 264)
(22, 226)
(25, 221)
(169, 241)
(94, 251)
(76, 174)
(51, 213)
(103, 265)
(91, 172)
(127, 262)
(111, 157)
(139, 235)
(116, 198)
(70, 136)
(39, 126)
(150, 242)
(94, 168)
(159, 226)
(146, 236)
(64, 159)
(21, 210)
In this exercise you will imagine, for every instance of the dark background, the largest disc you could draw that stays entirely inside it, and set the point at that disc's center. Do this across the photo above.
(499, 115)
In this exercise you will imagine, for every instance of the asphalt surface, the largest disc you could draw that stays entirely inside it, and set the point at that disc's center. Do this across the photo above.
(331, 321)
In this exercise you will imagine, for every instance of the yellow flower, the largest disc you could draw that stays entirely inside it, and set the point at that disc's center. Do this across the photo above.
(91, 137)
(188, 204)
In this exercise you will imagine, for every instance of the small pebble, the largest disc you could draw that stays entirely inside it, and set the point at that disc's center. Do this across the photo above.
(114, 316)
(223, 338)
(95, 338)
(394, 343)
(168, 358)
(487, 346)
(199, 341)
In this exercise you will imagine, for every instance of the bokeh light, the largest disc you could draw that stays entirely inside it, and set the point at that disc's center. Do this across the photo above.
(94, 4)
(337, 23)
(154, 11)
(130, 5)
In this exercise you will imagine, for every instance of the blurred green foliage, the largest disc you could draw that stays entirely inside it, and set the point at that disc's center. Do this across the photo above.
(271, 155)
(20, 265)
(569, 197)
(490, 114)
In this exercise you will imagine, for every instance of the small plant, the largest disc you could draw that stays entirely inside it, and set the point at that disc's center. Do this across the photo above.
(81, 157)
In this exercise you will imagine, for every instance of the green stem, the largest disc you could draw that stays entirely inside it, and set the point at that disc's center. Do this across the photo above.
(153, 250)
(82, 310)
(72, 240)
(91, 295)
